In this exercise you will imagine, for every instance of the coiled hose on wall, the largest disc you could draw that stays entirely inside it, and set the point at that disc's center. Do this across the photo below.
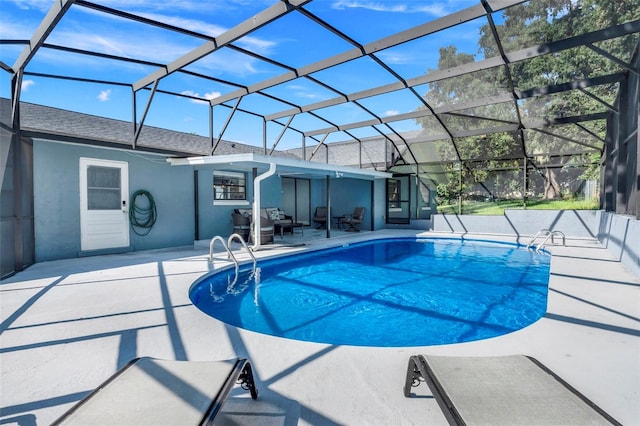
(142, 215)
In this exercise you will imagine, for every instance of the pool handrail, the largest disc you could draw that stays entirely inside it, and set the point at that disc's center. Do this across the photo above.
(226, 247)
(535, 237)
(246, 247)
(547, 234)
(551, 235)
(231, 256)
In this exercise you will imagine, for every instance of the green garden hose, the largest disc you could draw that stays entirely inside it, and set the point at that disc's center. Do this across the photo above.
(143, 217)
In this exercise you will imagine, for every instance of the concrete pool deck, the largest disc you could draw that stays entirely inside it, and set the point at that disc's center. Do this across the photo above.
(68, 325)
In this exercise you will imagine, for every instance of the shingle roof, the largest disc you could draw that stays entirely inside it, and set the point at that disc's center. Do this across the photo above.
(376, 154)
(61, 124)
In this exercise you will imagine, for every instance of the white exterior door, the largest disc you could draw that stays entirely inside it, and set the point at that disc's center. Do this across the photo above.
(104, 209)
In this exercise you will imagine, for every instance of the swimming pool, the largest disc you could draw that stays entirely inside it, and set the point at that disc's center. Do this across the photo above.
(387, 293)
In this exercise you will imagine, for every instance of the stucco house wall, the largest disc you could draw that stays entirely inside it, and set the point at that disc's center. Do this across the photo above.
(56, 186)
(347, 194)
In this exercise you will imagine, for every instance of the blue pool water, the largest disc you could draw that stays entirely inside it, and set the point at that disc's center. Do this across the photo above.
(392, 292)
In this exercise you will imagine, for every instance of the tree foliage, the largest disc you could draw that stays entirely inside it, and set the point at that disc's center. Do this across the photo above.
(534, 23)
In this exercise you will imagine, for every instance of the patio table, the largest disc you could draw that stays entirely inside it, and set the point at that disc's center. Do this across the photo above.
(289, 227)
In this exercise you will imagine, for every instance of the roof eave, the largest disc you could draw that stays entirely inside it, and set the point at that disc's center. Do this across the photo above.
(285, 166)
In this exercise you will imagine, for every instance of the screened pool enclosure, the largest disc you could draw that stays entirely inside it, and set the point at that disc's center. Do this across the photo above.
(470, 100)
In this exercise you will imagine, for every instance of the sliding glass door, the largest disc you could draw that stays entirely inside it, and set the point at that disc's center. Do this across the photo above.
(296, 199)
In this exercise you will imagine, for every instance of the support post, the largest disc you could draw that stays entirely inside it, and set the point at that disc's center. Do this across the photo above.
(136, 135)
(264, 136)
(329, 212)
(304, 147)
(211, 126)
(524, 184)
(460, 188)
(284, 129)
(196, 214)
(226, 124)
(134, 110)
(417, 183)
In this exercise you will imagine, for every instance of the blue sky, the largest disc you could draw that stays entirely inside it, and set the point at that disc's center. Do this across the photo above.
(293, 40)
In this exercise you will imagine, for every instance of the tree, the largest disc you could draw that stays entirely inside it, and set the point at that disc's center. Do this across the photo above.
(526, 25)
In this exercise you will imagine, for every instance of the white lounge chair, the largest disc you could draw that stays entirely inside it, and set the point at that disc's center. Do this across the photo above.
(160, 392)
(504, 390)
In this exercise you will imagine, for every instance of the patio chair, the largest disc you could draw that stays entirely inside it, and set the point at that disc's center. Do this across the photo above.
(241, 225)
(320, 217)
(152, 391)
(266, 225)
(353, 220)
(501, 390)
(267, 228)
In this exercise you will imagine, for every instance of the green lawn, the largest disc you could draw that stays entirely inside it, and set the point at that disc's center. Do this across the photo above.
(498, 207)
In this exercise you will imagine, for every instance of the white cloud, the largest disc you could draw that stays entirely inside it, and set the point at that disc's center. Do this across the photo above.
(192, 24)
(119, 43)
(302, 91)
(157, 48)
(390, 113)
(14, 28)
(195, 95)
(42, 5)
(436, 9)
(95, 31)
(26, 84)
(253, 43)
(307, 95)
(207, 96)
(178, 6)
(375, 6)
(104, 95)
(225, 63)
(397, 57)
(109, 46)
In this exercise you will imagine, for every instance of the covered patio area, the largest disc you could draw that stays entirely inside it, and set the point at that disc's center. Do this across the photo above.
(337, 189)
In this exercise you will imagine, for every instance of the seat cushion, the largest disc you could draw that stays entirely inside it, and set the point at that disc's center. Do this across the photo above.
(272, 213)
